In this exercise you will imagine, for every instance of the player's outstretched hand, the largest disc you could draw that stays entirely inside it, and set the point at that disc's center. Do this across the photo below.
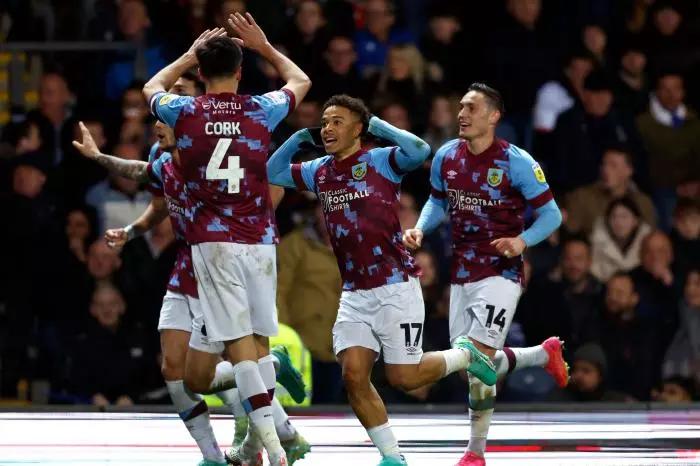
(116, 238)
(88, 147)
(201, 40)
(413, 238)
(250, 34)
(509, 247)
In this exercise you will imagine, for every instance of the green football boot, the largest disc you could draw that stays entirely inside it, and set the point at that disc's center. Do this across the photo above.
(288, 376)
(296, 448)
(480, 366)
(391, 461)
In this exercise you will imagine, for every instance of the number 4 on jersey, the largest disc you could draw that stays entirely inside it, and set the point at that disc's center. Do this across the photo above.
(233, 174)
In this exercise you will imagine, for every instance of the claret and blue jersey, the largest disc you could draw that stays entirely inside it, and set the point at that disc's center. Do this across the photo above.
(486, 196)
(168, 183)
(223, 142)
(359, 196)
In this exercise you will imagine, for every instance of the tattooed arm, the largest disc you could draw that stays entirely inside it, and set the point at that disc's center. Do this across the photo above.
(132, 169)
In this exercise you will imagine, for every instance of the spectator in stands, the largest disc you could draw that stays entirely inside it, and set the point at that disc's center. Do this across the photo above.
(135, 114)
(685, 235)
(19, 139)
(557, 96)
(396, 113)
(625, 339)
(308, 36)
(118, 200)
(108, 340)
(616, 240)
(632, 86)
(595, 40)
(81, 173)
(53, 117)
(671, 134)
(675, 390)
(583, 133)
(149, 57)
(408, 211)
(588, 378)
(683, 355)
(380, 31)
(80, 232)
(655, 282)
(308, 291)
(444, 41)
(568, 303)
(670, 38)
(441, 122)
(587, 203)
(519, 45)
(146, 265)
(340, 74)
(403, 79)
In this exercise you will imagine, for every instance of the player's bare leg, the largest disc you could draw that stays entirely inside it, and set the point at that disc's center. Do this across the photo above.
(191, 407)
(438, 364)
(357, 363)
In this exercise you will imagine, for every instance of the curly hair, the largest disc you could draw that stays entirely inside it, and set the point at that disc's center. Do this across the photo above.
(355, 105)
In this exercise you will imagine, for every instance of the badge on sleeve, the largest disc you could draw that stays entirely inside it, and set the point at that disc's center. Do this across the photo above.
(494, 176)
(166, 98)
(539, 173)
(359, 171)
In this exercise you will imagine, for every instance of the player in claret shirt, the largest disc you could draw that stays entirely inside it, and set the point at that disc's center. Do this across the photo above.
(485, 184)
(381, 307)
(222, 140)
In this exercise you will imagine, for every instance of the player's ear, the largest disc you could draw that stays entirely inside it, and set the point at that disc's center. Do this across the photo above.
(494, 117)
(239, 73)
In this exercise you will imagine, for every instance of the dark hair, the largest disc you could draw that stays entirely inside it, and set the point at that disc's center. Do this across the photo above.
(623, 274)
(598, 80)
(685, 383)
(576, 238)
(355, 105)
(686, 205)
(492, 95)
(625, 202)
(623, 150)
(191, 75)
(665, 74)
(219, 57)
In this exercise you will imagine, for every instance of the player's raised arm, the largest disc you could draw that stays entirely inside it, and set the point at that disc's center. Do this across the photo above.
(282, 172)
(412, 150)
(133, 169)
(253, 37)
(166, 77)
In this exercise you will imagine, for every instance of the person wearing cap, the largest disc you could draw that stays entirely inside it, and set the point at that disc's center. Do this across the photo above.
(588, 378)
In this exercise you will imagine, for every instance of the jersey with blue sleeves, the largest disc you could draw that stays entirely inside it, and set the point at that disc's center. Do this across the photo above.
(359, 196)
(223, 143)
(486, 196)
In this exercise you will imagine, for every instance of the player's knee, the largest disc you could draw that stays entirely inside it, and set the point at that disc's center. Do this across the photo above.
(400, 380)
(355, 379)
(196, 383)
(172, 368)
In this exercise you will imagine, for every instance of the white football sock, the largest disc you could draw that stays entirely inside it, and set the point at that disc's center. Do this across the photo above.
(481, 402)
(285, 429)
(385, 440)
(455, 360)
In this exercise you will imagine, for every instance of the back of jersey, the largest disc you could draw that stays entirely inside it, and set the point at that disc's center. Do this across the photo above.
(223, 141)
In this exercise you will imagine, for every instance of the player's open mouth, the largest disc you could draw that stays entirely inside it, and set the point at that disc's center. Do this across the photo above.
(329, 140)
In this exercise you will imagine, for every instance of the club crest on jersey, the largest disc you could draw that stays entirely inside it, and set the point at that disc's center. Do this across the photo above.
(494, 176)
(359, 171)
(539, 173)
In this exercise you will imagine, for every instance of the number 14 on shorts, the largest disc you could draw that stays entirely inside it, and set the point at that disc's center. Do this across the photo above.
(499, 320)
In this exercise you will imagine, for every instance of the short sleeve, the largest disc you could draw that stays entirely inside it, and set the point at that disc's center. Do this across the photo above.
(528, 177)
(276, 105)
(304, 174)
(383, 160)
(167, 107)
(155, 170)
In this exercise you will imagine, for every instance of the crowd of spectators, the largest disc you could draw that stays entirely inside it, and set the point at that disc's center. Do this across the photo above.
(602, 92)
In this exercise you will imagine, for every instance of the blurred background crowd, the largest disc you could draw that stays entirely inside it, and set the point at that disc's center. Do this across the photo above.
(601, 92)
